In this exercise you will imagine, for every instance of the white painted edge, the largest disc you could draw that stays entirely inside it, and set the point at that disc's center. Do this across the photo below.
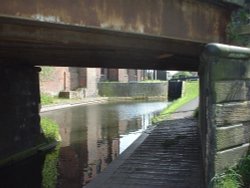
(233, 149)
(230, 127)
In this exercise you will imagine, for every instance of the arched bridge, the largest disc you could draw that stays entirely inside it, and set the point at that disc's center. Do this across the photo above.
(141, 34)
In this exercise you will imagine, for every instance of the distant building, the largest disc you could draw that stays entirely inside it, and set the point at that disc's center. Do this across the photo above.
(64, 80)
(121, 75)
(56, 79)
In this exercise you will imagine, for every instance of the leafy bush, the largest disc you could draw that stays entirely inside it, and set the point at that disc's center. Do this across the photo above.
(239, 18)
(235, 177)
(229, 179)
(243, 169)
(182, 74)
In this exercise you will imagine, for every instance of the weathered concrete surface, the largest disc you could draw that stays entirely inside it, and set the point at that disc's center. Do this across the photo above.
(176, 18)
(42, 43)
(225, 102)
(158, 163)
(229, 157)
(232, 90)
(235, 135)
(152, 34)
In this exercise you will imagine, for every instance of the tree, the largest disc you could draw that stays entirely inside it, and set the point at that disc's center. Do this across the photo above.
(182, 74)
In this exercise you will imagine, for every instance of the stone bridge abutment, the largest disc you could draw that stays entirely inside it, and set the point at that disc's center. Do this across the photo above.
(224, 107)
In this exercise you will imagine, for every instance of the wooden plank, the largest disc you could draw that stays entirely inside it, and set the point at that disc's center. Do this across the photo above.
(231, 113)
(230, 157)
(235, 135)
(233, 90)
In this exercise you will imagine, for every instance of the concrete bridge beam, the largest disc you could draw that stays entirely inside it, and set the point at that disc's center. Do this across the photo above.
(173, 19)
(19, 109)
(224, 107)
(152, 34)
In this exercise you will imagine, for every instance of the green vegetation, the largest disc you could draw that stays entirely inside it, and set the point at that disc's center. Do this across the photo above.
(47, 99)
(229, 179)
(50, 130)
(235, 177)
(190, 93)
(239, 18)
(196, 113)
(182, 74)
(243, 169)
(49, 173)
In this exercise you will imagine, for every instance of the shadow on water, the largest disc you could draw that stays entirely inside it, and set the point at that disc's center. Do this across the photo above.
(92, 137)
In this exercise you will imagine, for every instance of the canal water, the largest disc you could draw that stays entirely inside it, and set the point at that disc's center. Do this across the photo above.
(92, 136)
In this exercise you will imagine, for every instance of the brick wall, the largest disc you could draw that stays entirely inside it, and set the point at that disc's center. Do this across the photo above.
(93, 77)
(113, 74)
(56, 79)
(123, 75)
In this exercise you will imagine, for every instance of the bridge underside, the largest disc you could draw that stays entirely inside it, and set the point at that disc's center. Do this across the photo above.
(155, 34)
(31, 42)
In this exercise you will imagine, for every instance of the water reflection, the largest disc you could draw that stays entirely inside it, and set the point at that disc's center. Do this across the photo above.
(92, 136)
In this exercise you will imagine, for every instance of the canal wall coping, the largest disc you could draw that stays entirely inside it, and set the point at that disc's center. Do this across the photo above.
(86, 101)
(133, 89)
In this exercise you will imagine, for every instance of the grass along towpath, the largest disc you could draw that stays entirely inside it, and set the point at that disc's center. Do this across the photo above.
(191, 93)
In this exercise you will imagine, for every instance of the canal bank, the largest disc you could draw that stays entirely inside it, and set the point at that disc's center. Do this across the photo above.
(96, 100)
(73, 103)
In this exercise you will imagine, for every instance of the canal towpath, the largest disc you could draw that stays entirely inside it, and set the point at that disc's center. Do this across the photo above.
(167, 157)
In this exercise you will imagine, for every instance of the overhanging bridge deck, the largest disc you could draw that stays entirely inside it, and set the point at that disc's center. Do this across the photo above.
(152, 34)
(31, 42)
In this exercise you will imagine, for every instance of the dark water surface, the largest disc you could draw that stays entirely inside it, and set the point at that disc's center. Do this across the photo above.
(92, 136)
